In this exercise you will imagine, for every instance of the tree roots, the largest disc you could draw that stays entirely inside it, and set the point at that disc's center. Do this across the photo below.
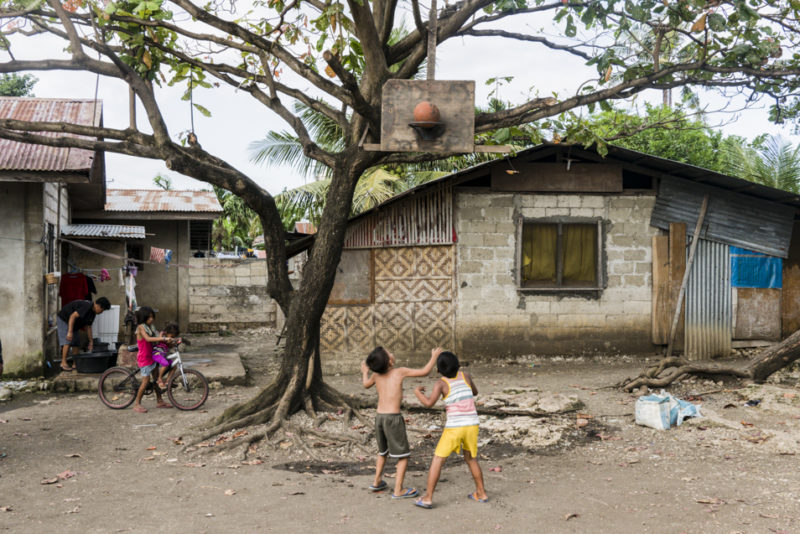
(674, 368)
(273, 407)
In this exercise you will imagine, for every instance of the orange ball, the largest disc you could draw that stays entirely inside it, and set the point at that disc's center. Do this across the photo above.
(426, 112)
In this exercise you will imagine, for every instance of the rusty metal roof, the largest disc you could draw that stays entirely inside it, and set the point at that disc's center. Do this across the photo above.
(29, 157)
(305, 227)
(159, 200)
(103, 231)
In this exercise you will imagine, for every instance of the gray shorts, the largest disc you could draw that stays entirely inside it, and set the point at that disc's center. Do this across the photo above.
(390, 433)
(145, 371)
(63, 328)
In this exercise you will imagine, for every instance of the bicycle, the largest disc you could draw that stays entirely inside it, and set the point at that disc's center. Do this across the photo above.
(187, 389)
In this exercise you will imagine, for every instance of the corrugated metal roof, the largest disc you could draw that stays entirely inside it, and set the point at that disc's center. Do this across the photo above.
(103, 230)
(29, 157)
(159, 200)
(733, 219)
(305, 227)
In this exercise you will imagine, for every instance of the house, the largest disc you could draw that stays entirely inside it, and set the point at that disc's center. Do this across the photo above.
(560, 251)
(39, 186)
(179, 221)
(58, 217)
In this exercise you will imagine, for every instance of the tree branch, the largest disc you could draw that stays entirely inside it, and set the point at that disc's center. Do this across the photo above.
(268, 46)
(524, 37)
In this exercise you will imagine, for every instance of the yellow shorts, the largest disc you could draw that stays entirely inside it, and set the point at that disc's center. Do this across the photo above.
(457, 439)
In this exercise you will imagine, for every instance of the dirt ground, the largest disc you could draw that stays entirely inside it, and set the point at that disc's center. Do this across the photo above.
(734, 470)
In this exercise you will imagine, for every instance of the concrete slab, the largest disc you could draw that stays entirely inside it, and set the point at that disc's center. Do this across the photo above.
(224, 368)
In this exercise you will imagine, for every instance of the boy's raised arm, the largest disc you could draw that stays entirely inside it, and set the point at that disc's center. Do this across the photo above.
(424, 371)
(419, 391)
(471, 384)
(368, 381)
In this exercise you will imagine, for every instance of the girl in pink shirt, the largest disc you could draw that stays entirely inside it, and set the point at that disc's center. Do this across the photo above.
(146, 335)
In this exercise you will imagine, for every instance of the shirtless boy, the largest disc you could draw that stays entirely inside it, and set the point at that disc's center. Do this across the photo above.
(390, 428)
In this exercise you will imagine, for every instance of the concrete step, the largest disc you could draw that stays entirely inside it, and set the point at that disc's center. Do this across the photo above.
(224, 368)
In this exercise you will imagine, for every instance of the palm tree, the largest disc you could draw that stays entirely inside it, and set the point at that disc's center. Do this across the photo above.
(773, 162)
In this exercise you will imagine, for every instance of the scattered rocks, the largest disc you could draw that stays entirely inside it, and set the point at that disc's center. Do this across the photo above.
(532, 400)
(525, 431)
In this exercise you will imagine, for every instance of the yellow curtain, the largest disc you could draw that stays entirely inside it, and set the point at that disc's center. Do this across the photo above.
(579, 253)
(539, 252)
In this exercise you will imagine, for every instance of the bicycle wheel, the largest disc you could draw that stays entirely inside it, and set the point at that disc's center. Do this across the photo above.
(117, 387)
(188, 394)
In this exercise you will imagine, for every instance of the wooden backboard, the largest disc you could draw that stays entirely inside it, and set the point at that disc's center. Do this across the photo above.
(456, 103)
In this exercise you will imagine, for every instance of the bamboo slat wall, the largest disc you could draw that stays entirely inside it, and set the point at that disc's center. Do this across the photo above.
(421, 219)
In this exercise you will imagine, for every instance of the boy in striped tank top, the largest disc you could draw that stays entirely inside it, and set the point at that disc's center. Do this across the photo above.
(461, 429)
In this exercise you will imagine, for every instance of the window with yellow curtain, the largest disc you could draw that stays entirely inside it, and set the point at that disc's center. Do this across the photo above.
(559, 254)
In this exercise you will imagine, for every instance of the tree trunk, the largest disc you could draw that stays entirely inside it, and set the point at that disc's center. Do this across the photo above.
(298, 384)
(669, 370)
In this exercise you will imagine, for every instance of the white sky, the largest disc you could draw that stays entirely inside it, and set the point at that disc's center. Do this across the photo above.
(237, 119)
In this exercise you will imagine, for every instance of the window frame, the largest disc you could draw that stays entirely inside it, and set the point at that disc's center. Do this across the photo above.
(600, 274)
(135, 251)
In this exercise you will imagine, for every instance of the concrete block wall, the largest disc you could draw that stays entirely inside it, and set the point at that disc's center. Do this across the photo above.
(229, 292)
(493, 317)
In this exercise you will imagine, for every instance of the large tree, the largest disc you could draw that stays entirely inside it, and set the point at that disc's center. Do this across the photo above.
(334, 56)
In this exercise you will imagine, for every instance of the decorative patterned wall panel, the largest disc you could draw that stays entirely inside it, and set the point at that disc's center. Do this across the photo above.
(413, 309)
(434, 261)
(332, 336)
(433, 325)
(394, 325)
(359, 329)
(415, 290)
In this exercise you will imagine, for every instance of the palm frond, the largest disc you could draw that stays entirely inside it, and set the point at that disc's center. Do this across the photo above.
(324, 130)
(282, 148)
(374, 187)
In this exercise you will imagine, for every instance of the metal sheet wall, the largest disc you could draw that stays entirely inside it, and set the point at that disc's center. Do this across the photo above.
(709, 314)
(733, 218)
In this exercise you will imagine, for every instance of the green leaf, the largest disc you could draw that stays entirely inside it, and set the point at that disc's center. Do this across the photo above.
(571, 30)
(502, 135)
(202, 110)
(716, 22)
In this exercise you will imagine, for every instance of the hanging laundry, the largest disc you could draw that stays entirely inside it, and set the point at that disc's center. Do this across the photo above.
(73, 287)
(157, 254)
(130, 293)
(167, 257)
(90, 288)
(104, 276)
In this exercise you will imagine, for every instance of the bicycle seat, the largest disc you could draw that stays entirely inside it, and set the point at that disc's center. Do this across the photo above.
(133, 348)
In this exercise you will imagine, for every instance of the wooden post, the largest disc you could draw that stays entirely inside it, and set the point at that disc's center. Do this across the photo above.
(676, 270)
(132, 108)
(662, 300)
(692, 250)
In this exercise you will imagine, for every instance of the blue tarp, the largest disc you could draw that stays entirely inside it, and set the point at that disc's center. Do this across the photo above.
(754, 269)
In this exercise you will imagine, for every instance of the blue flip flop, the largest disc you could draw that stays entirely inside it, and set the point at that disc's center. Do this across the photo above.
(421, 504)
(407, 494)
(380, 487)
(476, 499)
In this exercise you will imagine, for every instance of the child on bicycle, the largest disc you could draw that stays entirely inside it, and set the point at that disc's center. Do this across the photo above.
(161, 350)
(146, 335)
